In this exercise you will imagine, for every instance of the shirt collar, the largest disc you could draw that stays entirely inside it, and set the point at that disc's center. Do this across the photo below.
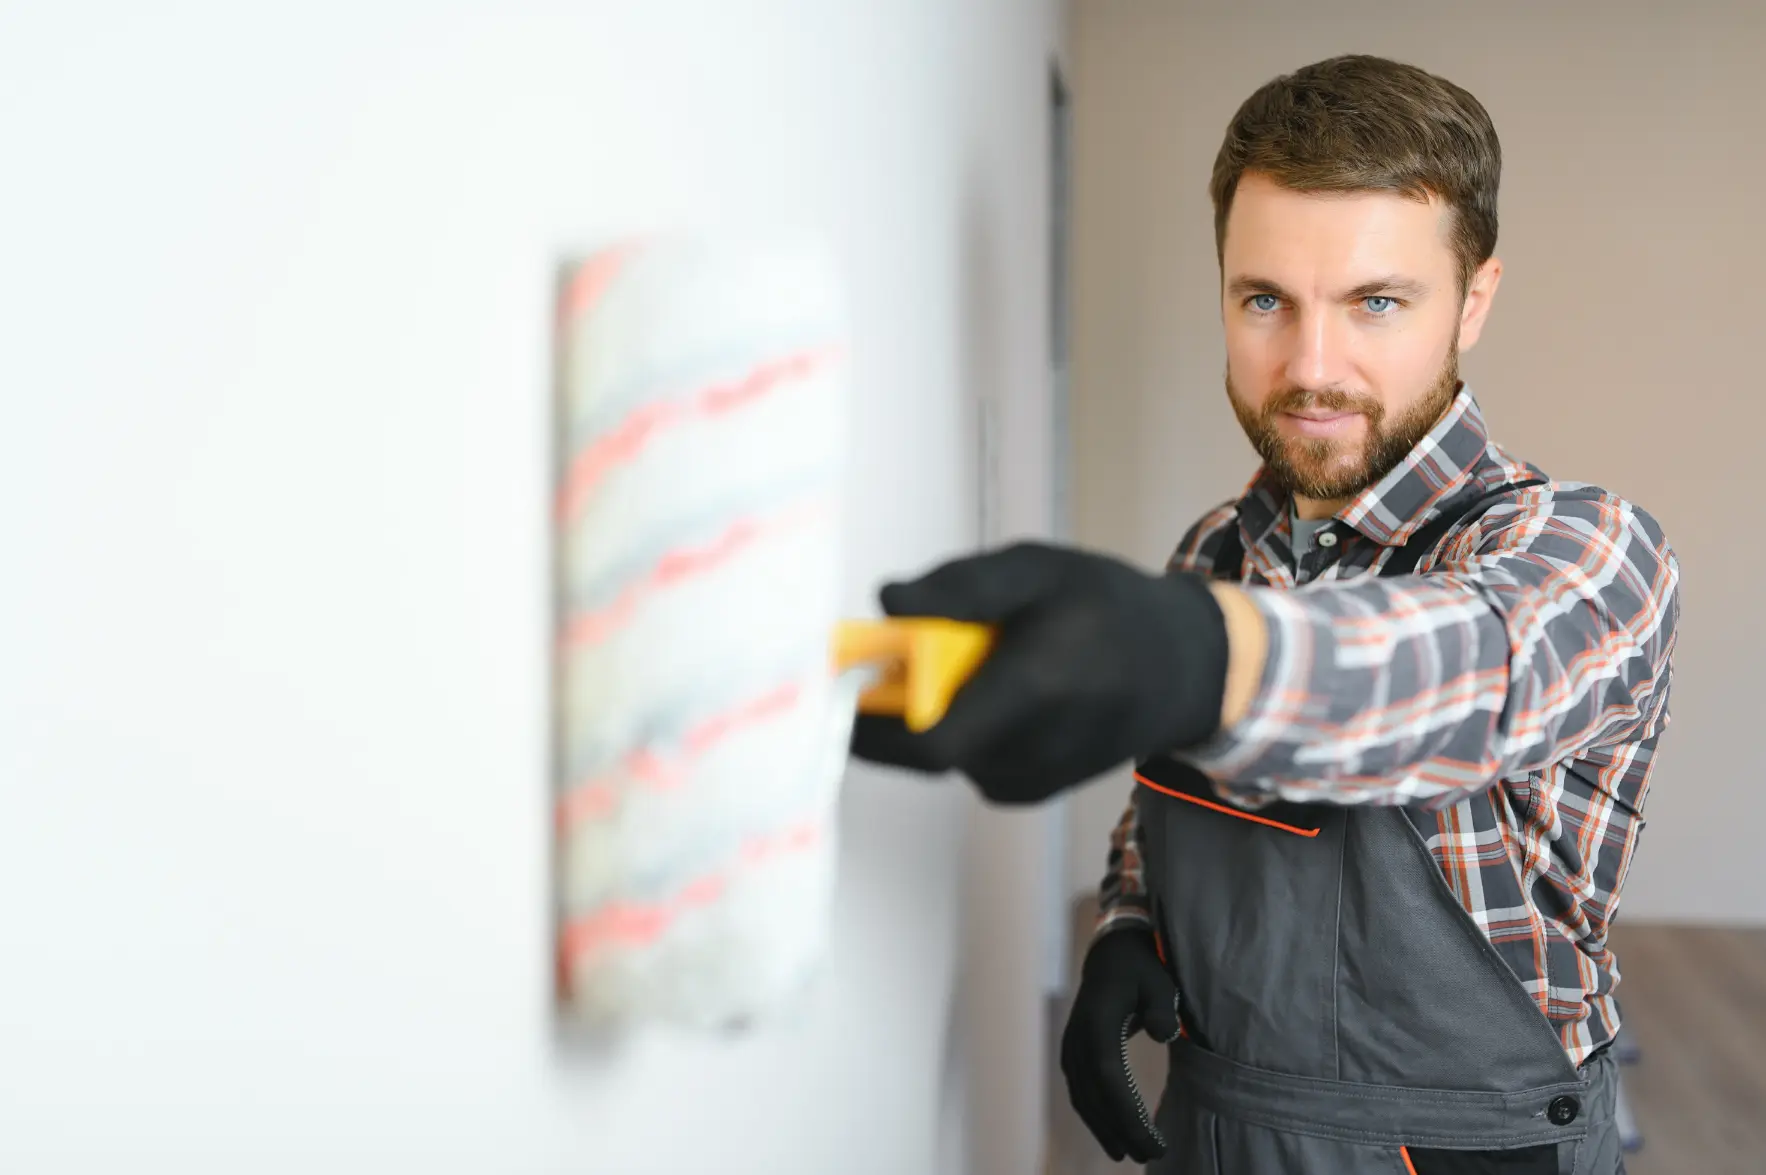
(1390, 510)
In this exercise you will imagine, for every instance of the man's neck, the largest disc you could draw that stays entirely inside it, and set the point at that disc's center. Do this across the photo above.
(1313, 509)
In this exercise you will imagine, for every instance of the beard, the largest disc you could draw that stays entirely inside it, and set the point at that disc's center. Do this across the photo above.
(1327, 469)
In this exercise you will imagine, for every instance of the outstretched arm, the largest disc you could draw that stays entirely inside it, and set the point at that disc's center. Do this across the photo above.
(1545, 632)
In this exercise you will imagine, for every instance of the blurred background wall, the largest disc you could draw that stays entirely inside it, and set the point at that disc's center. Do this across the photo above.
(1624, 348)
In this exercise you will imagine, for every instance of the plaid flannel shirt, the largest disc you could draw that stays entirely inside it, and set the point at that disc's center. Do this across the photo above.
(1514, 688)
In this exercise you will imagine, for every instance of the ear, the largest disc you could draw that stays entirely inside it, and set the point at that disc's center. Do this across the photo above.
(1476, 307)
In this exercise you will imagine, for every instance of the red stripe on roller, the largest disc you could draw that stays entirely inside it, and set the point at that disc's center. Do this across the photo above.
(682, 564)
(591, 279)
(629, 925)
(625, 440)
(599, 795)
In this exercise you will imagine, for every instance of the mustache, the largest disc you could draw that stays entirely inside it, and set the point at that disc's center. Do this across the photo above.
(1320, 400)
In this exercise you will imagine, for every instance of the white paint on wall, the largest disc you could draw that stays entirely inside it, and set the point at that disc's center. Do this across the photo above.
(274, 294)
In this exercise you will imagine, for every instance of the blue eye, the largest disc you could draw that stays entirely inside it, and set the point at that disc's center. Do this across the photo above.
(1379, 304)
(1265, 303)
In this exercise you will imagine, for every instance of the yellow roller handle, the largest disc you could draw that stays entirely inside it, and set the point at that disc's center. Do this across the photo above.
(923, 662)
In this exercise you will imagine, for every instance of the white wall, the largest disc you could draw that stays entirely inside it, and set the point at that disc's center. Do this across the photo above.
(274, 293)
(1623, 349)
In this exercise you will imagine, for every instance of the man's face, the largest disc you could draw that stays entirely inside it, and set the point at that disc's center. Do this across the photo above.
(1344, 324)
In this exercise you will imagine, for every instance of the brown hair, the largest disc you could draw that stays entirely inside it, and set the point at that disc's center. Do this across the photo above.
(1357, 124)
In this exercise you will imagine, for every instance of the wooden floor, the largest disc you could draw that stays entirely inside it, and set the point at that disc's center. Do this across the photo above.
(1694, 1001)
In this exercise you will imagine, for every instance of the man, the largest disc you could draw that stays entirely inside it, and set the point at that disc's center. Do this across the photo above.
(1393, 710)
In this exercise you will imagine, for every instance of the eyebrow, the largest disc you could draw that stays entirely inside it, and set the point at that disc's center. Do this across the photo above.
(1390, 286)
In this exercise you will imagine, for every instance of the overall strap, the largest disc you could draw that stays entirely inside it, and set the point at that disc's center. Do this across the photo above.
(1229, 559)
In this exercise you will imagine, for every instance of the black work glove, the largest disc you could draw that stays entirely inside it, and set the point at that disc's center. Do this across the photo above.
(1123, 988)
(1096, 662)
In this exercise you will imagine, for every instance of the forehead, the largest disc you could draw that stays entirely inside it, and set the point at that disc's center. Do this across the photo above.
(1279, 233)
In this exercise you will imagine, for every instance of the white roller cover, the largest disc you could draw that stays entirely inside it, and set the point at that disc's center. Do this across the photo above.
(701, 736)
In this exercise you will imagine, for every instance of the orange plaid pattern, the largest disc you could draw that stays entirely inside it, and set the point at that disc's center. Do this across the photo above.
(1510, 694)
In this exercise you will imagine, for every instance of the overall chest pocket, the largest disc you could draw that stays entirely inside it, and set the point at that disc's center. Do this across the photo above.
(1246, 905)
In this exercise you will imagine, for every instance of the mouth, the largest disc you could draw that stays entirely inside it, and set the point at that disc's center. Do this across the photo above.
(1320, 424)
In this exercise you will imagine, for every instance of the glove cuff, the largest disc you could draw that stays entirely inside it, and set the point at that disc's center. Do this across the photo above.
(1119, 941)
(1195, 657)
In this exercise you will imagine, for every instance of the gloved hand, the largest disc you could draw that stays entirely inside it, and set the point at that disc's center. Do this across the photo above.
(1123, 988)
(1095, 663)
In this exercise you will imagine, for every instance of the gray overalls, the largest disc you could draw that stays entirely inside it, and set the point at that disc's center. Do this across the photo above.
(1342, 1013)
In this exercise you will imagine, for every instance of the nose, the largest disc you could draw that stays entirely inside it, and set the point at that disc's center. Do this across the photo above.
(1319, 350)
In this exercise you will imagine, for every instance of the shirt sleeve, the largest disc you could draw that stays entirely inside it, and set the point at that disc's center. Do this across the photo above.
(1544, 632)
(1122, 899)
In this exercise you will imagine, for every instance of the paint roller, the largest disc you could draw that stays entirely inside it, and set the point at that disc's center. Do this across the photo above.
(705, 684)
